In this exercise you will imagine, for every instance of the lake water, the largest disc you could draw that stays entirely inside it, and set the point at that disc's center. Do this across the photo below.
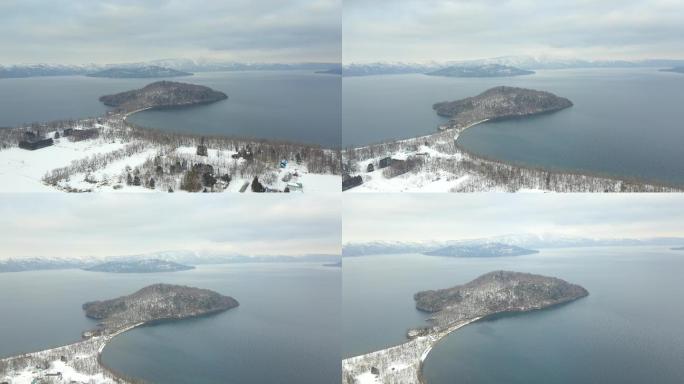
(627, 331)
(286, 329)
(624, 122)
(296, 106)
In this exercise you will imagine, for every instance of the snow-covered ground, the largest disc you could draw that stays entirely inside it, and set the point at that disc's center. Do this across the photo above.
(67, 374)
(435, 163)
(22, 170)
(110, 160)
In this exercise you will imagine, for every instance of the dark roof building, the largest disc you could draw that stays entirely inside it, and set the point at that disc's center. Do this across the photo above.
(32, 145)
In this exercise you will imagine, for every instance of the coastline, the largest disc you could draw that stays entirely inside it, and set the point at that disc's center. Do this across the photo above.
(88, 352)
(127, 114)
(402, 363)
(439, 163)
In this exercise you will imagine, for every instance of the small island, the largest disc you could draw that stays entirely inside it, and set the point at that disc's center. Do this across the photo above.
(674, 69)
(81, 361)
(331, 71)
(452, 308)
(487, 70)
(139, 266)
(481, 250)
(498, 103)
(496, 292)
(677, 249)
(163, 95)
(144, 72)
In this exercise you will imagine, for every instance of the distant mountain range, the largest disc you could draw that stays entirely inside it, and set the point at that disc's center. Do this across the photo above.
(139, 266)
(529, 241)
(187, 258)
(183, 65)
(144, 72)
(487, 70)
(481, 250)
(528, 63)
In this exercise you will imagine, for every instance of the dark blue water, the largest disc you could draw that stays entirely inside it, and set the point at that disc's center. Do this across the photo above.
(626, 331)
(286, 329)
(296, 106)
(287, 105)
(625, 122)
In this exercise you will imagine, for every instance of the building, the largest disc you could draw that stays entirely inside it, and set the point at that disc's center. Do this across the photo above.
(385, 162)
(351, 182)
(84, 134)
(32, 145)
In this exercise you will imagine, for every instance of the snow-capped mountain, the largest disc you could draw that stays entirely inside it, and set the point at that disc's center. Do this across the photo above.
(185, 65)
(521, 62)
(189, 258)
(139, 266)
(481, 250)
(530, 241)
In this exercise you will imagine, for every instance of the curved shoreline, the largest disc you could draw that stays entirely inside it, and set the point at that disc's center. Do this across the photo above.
(441, 156)
(578, 172)
(425, 354)
(400, 363)
(84, 350)
(95, 347)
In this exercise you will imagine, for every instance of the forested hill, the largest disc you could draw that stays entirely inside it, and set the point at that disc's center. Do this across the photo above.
(163, 94)
(499, 103)
(496, 292)
(157, 302)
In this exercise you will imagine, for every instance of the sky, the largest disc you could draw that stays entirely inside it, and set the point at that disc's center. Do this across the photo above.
(46, 225)
(442, 30)
(122, 31)
(442, 217)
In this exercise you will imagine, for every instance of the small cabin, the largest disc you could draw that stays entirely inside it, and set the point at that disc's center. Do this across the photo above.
(202, 150)
(84, 134)
(351, 182)
(385, 162)
(32, 145)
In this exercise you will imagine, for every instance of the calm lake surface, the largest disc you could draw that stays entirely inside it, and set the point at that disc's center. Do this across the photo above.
(286, 329)
(296, 106)
(627, 331)
(624, 122)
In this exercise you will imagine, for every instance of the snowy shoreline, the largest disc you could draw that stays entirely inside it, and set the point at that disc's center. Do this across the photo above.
(438, 163)
(402, 363)
(76, 362)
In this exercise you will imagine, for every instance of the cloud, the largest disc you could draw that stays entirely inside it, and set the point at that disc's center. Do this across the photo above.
(466, 216)
(81, 31)
(100, 225)
(417, 30)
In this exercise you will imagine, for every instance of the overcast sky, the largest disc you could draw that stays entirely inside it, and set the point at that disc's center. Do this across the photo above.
(418, 217)
(423, 30)
(115, 31)
(100, 225)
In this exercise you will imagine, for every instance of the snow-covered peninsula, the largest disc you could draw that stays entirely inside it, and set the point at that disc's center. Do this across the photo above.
(438, 163)
(81, 362)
